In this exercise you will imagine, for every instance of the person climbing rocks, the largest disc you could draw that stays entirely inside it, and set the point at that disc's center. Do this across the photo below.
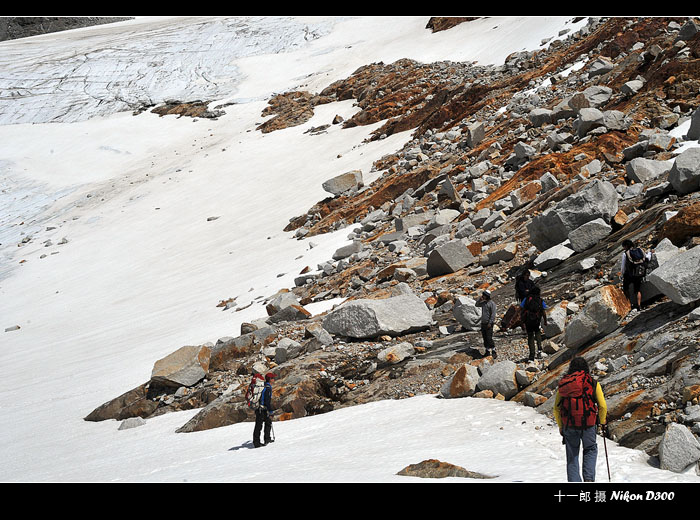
(488, 318)
(579, 405)
(264, 413)
(634, 268)
(533, 308)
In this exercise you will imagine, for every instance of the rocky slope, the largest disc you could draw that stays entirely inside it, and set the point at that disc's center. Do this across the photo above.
(547, 162)
(13, 27)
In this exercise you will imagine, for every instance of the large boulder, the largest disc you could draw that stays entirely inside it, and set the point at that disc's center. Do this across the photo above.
(462, 383)
(396, 353)
(683, 225)
(685, 173)
(588, 119)
(449, 257)
(644, 170)
(343, 182)
(589, 234)
(556, 321)
(279, 301)
(467, 314)
(184, 367)
(500, 379)
(664, 251)
(678, 448)
(502, 252)
(552, 257)
(600, 316)
(365, 318)
(598, 199)
(679, 277)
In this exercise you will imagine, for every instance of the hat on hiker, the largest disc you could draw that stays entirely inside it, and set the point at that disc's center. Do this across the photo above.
(270, 375)
(487, 293)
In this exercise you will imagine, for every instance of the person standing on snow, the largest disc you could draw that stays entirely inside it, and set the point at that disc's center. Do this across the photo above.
(264, 413)
(579, 405)
(488, 318)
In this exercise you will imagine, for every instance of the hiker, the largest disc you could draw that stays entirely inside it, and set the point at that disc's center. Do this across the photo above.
(579, 405)
(488, 318)
(523, 285)
(264, 413)
(533, 308)
(634, 269)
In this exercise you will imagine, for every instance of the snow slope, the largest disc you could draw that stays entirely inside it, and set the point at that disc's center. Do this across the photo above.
(144, 266)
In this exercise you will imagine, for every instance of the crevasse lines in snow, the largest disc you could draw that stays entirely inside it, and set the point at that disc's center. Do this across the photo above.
(82, 75)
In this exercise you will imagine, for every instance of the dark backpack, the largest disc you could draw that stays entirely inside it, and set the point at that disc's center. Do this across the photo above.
(533, 310)
(637, 262)
(579, 408)
(253, 394)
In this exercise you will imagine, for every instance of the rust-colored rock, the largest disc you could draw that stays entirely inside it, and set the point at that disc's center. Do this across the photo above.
(443, 23)
(684, 225)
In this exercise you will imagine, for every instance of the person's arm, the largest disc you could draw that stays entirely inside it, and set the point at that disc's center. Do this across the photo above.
(557, 410)
(602, 405)
(623, 264)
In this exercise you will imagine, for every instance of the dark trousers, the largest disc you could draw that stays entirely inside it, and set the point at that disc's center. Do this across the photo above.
(262, 418)
(487, 335)
(534, 335)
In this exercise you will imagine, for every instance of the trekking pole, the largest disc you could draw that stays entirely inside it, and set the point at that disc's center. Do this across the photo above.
(606, 454)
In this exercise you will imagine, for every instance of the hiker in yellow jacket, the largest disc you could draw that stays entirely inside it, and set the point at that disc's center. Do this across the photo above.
(579, 405)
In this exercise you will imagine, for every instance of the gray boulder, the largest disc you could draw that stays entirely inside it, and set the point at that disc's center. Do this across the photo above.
(467, 314)
(502, 252)
(396, 353)
(185, 367)
(552, 257)
(412, 220)
(131, 422)
(540, 116)
(589, 234)
(597, 95)
(685, 173)
(343, 182)
(500, 379)
(280, 301)
(349, 250)
(556, 321)
(475, 134)
(600, 316)
(644, 170)
(365, 318)
(678, 448)
(679, 277)
(598, 199)
(588, 119)
(449, 257)
(600, 66)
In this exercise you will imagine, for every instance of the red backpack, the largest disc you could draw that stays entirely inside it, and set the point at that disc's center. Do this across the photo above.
(579, 408)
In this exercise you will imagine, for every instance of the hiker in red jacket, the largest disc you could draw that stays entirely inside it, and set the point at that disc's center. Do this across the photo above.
(579, 405)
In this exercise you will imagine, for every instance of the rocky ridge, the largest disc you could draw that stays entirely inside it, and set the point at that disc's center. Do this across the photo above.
(535, 164)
